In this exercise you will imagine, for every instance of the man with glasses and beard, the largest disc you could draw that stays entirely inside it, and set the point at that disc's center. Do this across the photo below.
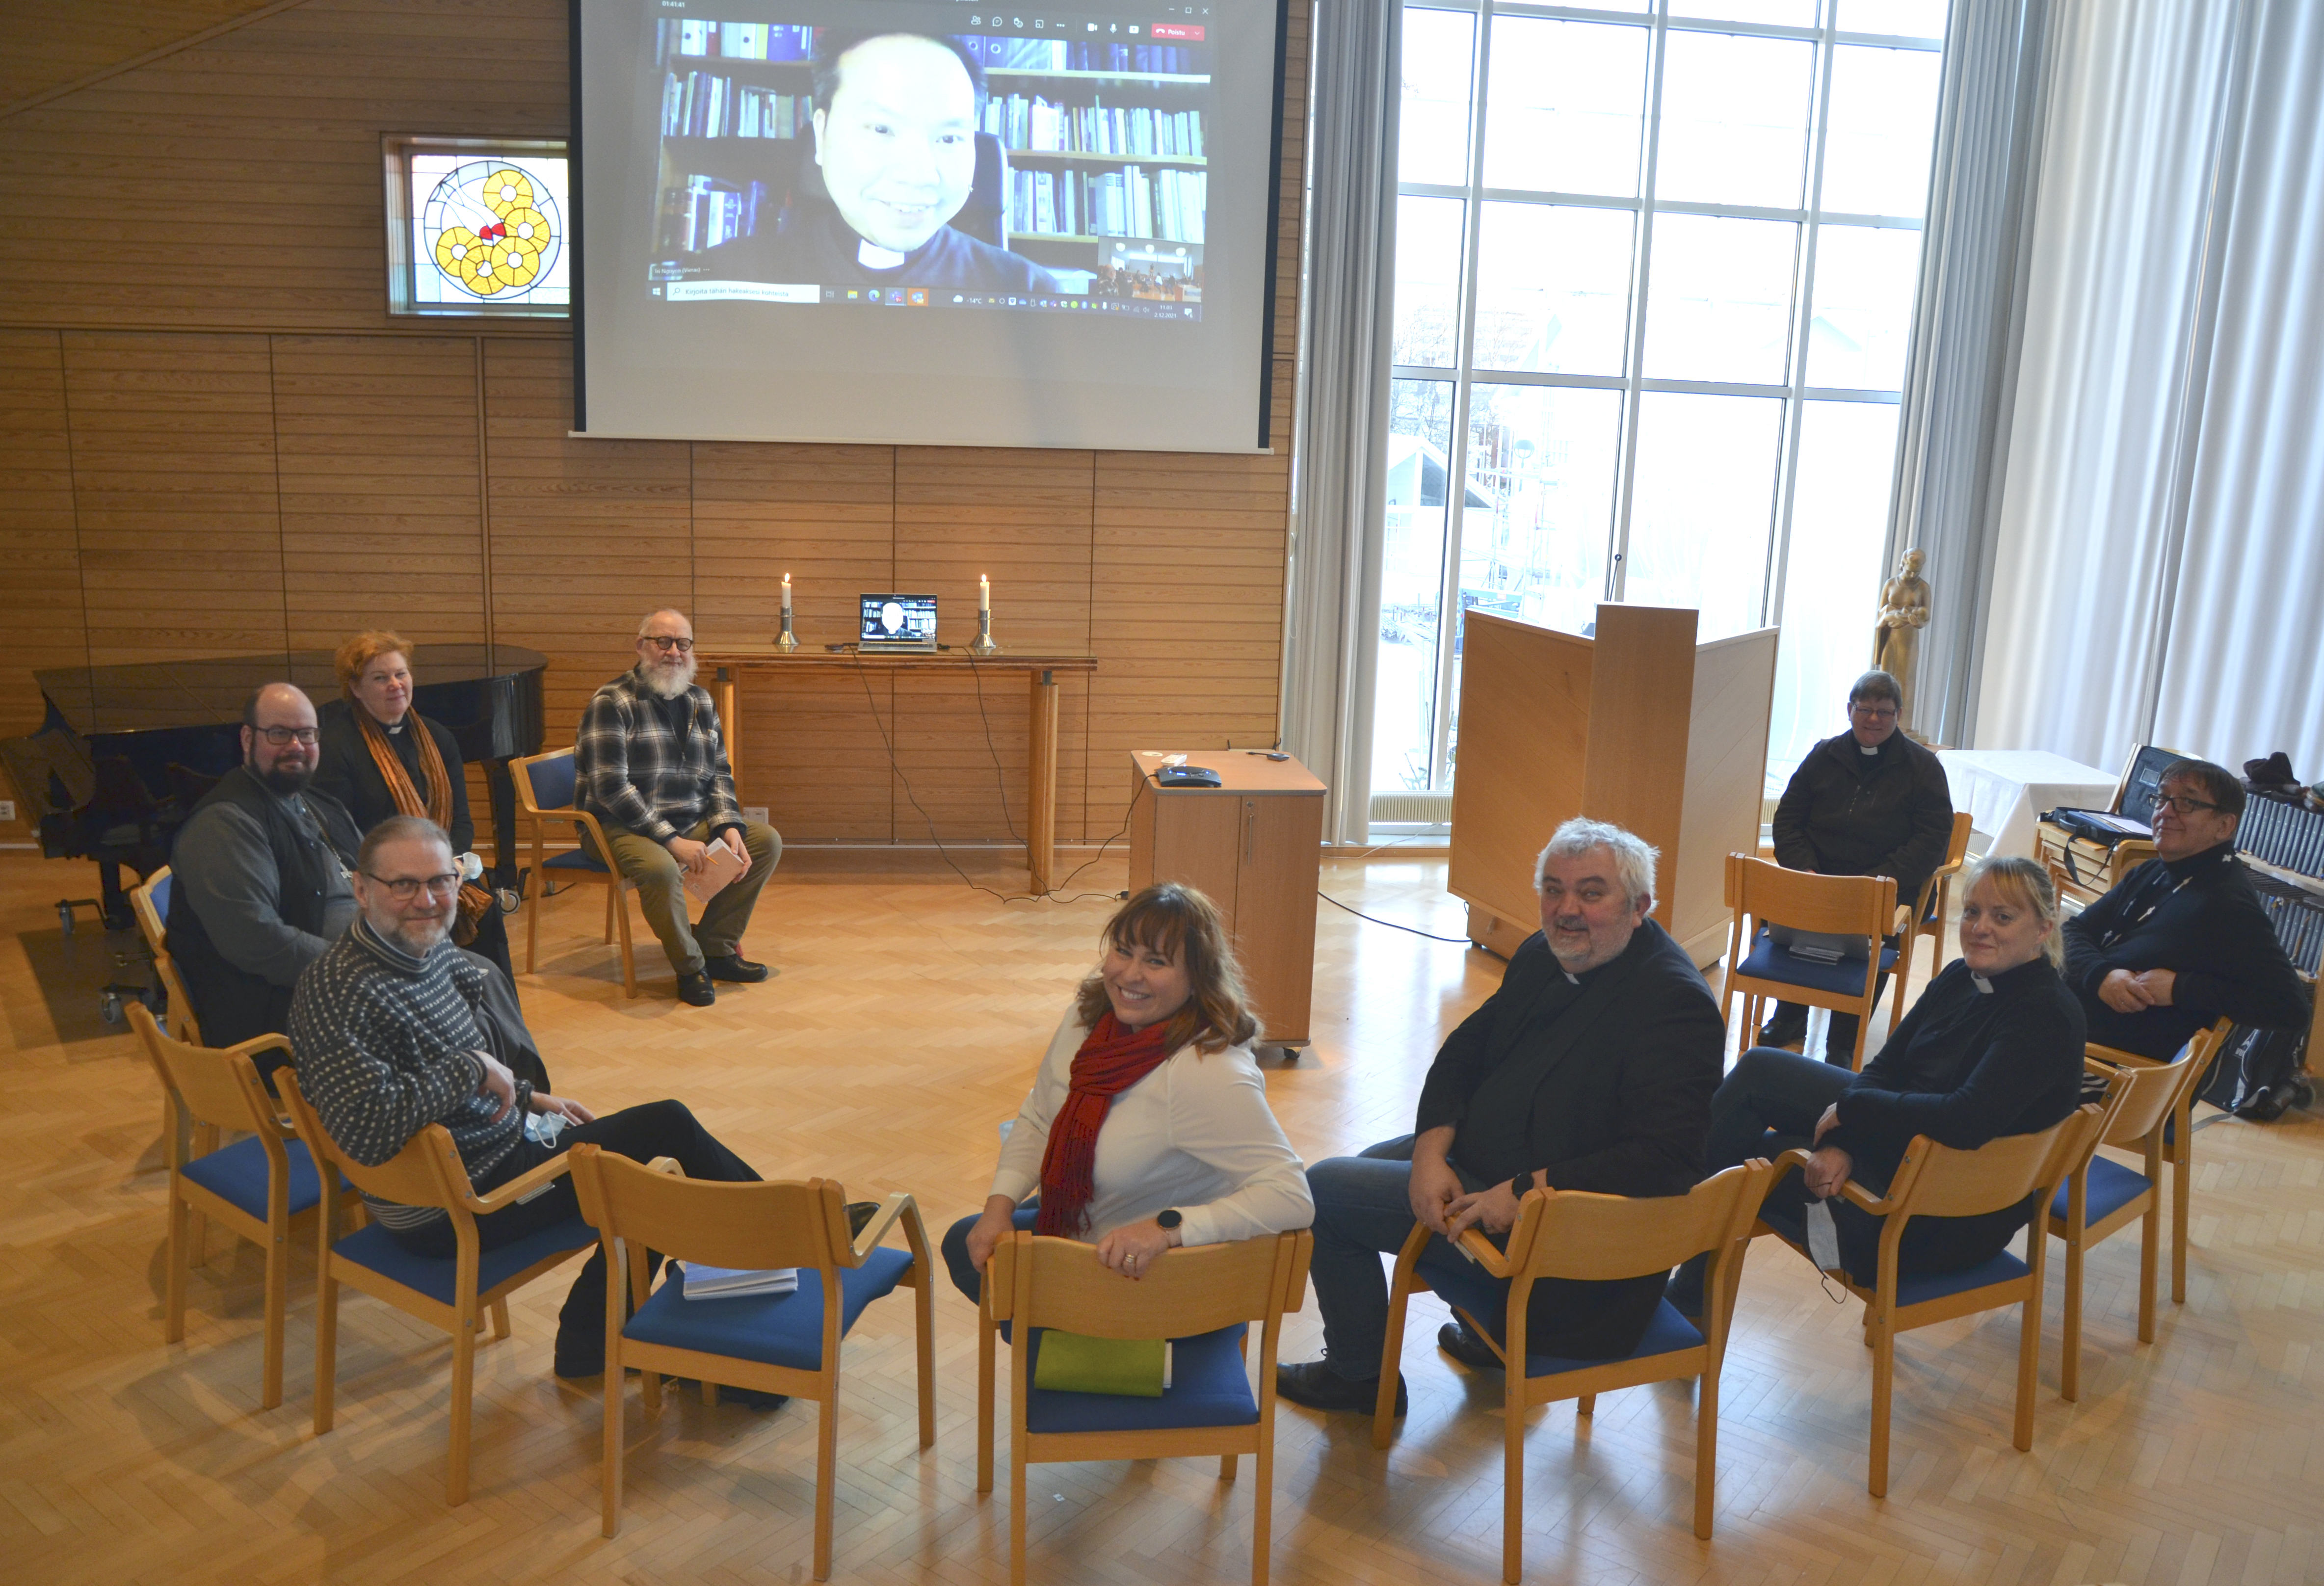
(392, 1033)
(2182, 938)
(652, 764)
(260, 885)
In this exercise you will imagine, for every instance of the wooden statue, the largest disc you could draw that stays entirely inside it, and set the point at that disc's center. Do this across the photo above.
(1896, 631)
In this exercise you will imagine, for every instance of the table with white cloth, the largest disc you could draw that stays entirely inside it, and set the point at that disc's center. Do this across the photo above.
(2007, 791)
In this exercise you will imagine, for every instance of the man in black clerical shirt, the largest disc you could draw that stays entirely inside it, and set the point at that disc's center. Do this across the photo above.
(2182, 938)
(1592, 1068)
(1869, 802)
(895, 123)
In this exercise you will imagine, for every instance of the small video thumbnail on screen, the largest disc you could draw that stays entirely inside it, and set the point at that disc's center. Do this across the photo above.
(1050, 163)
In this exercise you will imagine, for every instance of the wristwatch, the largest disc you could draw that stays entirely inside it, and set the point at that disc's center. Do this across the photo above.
(1521, 1184)
(1166, 1221)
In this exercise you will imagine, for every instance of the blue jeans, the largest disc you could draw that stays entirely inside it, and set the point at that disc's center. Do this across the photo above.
(965, 1277)
(1363, 1209)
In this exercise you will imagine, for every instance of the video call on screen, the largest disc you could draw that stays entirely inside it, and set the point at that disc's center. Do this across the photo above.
(915, 156)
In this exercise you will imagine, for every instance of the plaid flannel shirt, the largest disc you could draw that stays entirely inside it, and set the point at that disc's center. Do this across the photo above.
(634, 774)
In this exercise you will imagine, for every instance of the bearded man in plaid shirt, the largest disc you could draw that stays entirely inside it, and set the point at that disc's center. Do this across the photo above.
(651, 763)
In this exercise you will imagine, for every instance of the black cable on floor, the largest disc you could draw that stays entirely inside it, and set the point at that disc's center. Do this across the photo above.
(1416, 930)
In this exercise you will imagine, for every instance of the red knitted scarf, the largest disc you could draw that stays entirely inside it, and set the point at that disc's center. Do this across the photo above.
(1112, 1059)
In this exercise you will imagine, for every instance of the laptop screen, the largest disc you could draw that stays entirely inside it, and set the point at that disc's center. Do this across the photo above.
(898, 619)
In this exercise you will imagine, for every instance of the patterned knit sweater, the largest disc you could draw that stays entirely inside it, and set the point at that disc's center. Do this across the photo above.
(385, 1045)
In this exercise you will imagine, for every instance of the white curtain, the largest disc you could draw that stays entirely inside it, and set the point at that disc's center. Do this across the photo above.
(2243, 667)
(1339, 479)
(2085, 536)
(1965, 327)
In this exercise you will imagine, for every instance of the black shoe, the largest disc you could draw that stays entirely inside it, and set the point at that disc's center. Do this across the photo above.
(1786, 1031)
(1311, 1383)
(750, 1399)
(696, 991)
(735, 967)
(1456, 1340)
(2267, 1105)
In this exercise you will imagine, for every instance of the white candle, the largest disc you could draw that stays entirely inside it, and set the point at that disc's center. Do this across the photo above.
(787, 595)
(983, 594)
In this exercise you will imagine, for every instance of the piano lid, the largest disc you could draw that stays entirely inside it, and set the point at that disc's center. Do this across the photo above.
(100, 701)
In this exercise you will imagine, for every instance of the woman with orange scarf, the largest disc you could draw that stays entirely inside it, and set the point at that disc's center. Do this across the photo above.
(379, 758)
(1148, 1126)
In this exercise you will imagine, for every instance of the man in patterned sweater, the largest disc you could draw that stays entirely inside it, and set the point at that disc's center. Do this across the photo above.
(652, 768)
(390, 1033)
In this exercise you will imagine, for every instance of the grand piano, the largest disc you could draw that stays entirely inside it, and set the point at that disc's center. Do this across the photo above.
(124, 753)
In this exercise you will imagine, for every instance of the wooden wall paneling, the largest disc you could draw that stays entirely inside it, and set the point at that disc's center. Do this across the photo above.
(1186, 592)
(1024, 519)
(812, 751)
(382, 525)
(586, 536)
(237, 183)
(40, 554)
(53, 42)
(174, 479)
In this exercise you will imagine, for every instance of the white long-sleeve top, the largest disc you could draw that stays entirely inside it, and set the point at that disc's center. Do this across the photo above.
(1195, 1134)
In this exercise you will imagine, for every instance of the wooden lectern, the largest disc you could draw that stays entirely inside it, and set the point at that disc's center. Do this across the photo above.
(1640, 726)
(1254, 847)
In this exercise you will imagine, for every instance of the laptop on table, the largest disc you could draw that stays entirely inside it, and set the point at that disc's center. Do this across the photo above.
(897, 622)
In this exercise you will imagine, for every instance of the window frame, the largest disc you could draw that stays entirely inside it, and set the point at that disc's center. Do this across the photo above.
(1793, 392)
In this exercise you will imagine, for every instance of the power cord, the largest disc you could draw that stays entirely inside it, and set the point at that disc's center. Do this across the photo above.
(1416, 930)
(872, 700)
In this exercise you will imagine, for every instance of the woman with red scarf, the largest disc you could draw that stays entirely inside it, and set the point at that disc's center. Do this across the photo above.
(1148, 1127)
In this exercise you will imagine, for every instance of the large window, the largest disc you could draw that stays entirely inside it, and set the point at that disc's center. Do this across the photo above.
(1654, 277)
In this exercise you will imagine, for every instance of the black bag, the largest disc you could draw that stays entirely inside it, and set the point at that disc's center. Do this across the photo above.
(2258, 1070)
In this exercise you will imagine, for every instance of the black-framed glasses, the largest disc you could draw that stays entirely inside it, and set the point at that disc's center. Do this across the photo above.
(404, 889)
(1877, 713)
(280, 736)
(661, 642)
(2179, 802)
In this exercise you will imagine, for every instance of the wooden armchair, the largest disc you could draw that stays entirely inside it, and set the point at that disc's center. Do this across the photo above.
(253, 1186)
(1930, 912)
(2105, 1195)
(1204, 1300)
(1936, 1181)
(452, 1293)
(1574, 1235)
(776, 1344)
(547, 792)
(1849, 906)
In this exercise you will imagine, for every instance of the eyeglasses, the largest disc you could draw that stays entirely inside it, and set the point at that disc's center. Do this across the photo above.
(278, 736)
(1875, 713)
(2179, 802)
(404, 889)
(659, 642)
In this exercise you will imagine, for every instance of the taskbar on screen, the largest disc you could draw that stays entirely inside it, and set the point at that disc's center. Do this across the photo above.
(921, 297)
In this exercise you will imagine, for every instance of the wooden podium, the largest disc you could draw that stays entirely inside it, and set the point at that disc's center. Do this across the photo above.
(1254, 847)
(1640, 726)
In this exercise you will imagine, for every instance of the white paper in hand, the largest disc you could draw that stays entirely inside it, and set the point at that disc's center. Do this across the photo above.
(1823, 1236)
(720, 866)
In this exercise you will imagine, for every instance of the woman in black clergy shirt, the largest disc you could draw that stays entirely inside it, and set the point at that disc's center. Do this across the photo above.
(1993, 1047)
(379, 758)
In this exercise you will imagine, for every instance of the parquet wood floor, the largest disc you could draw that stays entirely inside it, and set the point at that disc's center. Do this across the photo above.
(906, 1022)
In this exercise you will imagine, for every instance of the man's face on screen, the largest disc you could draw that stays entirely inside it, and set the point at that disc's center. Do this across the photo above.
(898, 145)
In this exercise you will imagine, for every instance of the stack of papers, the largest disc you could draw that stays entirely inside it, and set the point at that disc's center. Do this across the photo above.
(731, 1282)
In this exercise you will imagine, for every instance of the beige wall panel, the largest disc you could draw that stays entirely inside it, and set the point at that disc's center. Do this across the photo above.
(51, 43)
(380, 457)
(174, 481)
(824, 514)
(814, 755)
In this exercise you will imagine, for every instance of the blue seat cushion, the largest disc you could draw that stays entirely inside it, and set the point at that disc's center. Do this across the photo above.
(2113, 1187)
(575, 859)
(1485, 1298)
(1208, 1387)
(1914, 1288)
(237, 1174)
(1768, 961)
(775, 1329)
(433, 1276)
